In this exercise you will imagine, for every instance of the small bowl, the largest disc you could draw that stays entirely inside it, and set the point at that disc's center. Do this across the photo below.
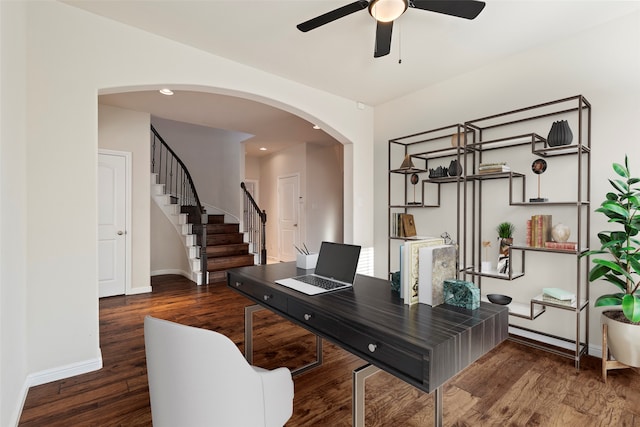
(499, 299)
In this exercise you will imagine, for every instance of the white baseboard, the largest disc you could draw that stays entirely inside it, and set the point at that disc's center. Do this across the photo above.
(171, 271)
(593, 350)
(140, 290)
(62, 372)
(54, 374)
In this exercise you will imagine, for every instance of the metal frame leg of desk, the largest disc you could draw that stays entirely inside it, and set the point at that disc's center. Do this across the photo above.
(358, 401)
(248, 341)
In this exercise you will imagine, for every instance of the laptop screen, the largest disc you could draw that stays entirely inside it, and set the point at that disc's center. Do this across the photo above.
(338, 261)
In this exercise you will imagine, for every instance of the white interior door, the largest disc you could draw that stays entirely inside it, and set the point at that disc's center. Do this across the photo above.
(288, 215)
(112, 224)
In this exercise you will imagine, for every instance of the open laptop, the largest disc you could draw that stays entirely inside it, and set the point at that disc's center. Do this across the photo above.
(335, 269)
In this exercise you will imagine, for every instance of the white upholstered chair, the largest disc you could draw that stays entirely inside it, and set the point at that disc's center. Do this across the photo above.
(199, 378)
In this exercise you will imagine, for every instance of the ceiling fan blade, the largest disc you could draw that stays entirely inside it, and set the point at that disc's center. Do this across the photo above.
(383, 39)
(338, 13)
(467, 9)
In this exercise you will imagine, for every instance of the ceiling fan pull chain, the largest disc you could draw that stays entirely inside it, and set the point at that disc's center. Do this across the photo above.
(399, 43)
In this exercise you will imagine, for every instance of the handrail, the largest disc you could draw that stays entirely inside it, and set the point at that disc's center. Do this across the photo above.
(179, 185)
(256, 231)
(194, 193)
(262, 213)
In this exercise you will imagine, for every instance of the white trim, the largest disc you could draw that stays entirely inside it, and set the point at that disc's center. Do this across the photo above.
(172, 271)
(62, 372)
(592, 350)
(140, 290)
(128, 190)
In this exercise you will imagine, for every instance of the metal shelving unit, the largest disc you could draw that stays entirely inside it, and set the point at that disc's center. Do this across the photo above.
(515, 134)
(525, 119)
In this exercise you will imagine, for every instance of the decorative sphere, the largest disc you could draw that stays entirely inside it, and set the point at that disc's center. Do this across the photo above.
(560, 232)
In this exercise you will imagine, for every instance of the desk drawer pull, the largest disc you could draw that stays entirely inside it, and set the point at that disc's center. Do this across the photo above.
(267, 297)
(372, 347)
(238, 284)
(308, 316)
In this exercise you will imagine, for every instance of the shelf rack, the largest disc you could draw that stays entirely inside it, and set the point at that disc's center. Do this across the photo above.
(514, 131)
(579, 110)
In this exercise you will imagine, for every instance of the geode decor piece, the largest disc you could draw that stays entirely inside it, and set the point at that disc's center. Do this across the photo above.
(560, 134)
(461, 294)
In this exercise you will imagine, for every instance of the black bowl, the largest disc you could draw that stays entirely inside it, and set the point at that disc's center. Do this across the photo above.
(499, 299)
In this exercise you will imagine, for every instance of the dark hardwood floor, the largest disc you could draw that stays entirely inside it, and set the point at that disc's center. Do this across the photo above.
(513, 385)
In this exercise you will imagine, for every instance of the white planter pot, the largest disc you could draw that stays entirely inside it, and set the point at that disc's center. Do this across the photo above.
(623, 340)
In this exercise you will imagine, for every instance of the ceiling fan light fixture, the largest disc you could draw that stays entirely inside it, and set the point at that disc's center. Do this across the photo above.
(387, 10)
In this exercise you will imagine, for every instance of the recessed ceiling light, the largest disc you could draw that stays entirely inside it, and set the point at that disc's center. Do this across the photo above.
(263, 148)
(316, 127)
(166, 91)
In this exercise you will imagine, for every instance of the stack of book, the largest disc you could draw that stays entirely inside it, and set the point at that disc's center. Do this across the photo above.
(563, 246)
(558, 296)
(493, 167)
(539, 231)
(403, 225)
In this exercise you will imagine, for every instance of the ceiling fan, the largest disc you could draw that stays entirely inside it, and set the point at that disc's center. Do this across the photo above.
(386, 11)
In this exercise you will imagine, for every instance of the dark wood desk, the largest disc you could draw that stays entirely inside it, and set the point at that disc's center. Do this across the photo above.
(422, 345)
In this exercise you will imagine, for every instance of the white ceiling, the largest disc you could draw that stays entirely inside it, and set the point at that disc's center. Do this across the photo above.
(338, 57)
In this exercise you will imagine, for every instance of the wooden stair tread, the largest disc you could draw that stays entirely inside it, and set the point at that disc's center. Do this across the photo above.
(227, 262)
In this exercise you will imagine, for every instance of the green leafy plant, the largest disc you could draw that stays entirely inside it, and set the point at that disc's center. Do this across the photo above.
(622, 269)
(505, 230)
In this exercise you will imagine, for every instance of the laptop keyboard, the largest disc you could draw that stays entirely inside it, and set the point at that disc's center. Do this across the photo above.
(320, 282)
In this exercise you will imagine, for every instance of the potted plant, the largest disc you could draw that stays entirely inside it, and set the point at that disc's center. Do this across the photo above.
(505, 234)
(622, 266)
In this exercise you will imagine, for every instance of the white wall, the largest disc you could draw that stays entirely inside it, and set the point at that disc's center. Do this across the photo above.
(128, 131)
(168, 254)
(324, 198)
(14, 343)
(603, 64)
(213, 157)
(49, 287)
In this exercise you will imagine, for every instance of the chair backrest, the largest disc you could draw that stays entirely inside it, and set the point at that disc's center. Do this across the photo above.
(199, 378)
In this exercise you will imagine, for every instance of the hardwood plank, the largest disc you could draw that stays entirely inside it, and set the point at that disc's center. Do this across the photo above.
(513, 385)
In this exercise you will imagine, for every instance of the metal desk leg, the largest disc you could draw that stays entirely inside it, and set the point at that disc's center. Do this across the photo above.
(248, 341)
(313, 364)
(437, 411)
(359, 375)
(364, 372)
(248, 331)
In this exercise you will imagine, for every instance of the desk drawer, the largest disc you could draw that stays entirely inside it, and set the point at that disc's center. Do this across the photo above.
(306, 315)
(266, 296)
(403, 360)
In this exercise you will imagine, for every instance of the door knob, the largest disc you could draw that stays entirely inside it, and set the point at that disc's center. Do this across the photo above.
(120, 232)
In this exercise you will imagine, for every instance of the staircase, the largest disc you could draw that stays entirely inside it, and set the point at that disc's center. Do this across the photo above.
(225, 248)
(212, 246)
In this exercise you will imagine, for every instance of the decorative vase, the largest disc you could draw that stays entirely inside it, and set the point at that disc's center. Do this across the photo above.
(503, 255)
(454, 168)
(505, 242)
(560, 232)
(623, 339)
(560, 134)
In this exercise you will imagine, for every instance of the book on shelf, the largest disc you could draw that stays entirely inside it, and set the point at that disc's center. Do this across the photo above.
(539, 230)
(558, 294)
(565, 246)
(435, 265)
(403, 225)
(410, 267)
(553, 300)
(408, 225)
(493, 168)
